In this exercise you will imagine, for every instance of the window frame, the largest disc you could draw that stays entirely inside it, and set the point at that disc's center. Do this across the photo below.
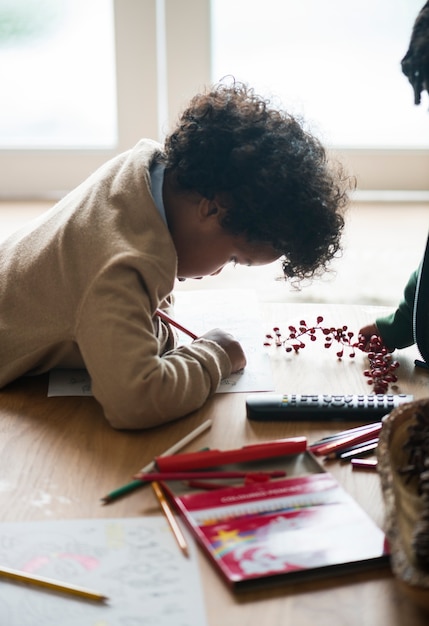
(165, 35)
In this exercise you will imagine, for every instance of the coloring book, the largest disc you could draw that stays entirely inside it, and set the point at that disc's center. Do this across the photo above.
(135, 562)
(283, 530)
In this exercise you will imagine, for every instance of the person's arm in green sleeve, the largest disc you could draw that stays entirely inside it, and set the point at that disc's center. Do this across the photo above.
(396, 329)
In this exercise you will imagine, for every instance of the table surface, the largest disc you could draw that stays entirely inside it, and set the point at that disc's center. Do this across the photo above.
(59, 456)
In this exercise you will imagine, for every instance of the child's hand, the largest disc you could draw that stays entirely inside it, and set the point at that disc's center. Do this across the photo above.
(230, 345)
(368, 331)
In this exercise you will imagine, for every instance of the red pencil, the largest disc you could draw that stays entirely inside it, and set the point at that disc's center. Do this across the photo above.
(173, 322)
(341, 435)
(341, 444)
(208, 485)
(191, 461)
(151, 476)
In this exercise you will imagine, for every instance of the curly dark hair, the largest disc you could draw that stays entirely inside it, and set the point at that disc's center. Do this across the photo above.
(273, 177)
(415, 64)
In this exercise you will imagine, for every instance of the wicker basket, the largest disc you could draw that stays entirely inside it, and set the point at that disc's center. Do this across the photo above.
(404, 506)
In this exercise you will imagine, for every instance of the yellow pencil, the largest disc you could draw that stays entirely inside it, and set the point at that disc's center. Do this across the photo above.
(170, 517)
(49, 583)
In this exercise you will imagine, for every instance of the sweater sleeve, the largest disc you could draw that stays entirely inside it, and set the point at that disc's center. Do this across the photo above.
(137, 384)
(166, 334)
(396, 329)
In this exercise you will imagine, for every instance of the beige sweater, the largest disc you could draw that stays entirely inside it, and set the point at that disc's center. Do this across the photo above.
(79, 287)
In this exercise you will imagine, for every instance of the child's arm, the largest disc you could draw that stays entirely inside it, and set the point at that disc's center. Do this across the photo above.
(225, 340)
(167, 335)
(231, 347)
(396, 329)
(137, 385)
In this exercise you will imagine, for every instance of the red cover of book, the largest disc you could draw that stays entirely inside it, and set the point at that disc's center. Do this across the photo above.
(288, 529)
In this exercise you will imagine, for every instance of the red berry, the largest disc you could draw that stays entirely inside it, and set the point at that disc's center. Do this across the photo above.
(381, 365)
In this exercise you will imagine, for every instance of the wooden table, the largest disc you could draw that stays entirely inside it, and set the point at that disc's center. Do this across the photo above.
(58, 456)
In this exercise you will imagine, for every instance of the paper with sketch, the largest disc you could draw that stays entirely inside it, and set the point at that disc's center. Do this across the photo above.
(135, 562)
(235, 311)
(69, 383)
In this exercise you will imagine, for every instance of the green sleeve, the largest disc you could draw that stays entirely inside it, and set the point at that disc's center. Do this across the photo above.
(396, 329)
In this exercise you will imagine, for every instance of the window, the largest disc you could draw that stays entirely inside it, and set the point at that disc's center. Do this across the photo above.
(58, 78)
(335, 62)
(118, 94)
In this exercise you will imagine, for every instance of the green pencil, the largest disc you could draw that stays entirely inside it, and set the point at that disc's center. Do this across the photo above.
(123, 491)
(135, 484)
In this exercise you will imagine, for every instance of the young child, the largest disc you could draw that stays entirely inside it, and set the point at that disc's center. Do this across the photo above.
(236, 182)
(396, 330)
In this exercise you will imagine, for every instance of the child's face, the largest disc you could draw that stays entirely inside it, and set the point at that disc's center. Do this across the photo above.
(210, 257)
(204, 247)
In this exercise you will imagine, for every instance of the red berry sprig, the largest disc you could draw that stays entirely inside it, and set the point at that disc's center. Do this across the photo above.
(381, 372)
(382, 367)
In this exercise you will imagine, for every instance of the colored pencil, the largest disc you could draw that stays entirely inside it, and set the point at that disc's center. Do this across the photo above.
(341, 434)
(173, 322)
(365, 464)
(347, 442)
(175, 528)
(350, 449)
(369, 448)
(207, 485)
(136, 484)
(49, 583)
(155, 476)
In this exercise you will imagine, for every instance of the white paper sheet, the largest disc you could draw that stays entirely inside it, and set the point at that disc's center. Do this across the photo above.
(134, 561)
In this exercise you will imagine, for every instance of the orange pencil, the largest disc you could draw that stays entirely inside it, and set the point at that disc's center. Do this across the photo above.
(178, 535)
(50, 584)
